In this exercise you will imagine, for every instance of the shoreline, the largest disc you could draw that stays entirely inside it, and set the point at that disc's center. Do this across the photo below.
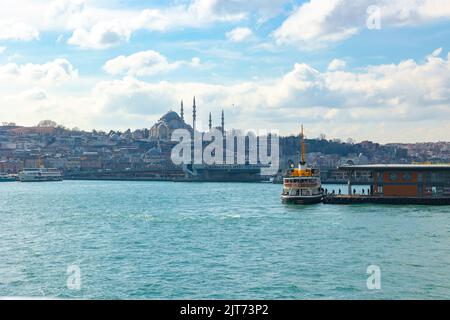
(169, 179)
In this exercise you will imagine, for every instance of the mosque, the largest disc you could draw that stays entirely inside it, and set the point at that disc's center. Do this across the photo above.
(161, 134)
(171, 121)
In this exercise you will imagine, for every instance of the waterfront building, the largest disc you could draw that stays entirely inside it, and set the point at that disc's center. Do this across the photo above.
(401, 184)
(74, 151)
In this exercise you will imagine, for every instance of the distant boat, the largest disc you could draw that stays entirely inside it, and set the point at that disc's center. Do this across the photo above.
(40, 175)
(7, 178)
(302, 185)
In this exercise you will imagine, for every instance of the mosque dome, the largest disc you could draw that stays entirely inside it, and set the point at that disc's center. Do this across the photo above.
(170, 116)
(163, 129)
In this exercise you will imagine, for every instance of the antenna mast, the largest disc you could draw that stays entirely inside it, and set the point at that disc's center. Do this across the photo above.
(302, 137)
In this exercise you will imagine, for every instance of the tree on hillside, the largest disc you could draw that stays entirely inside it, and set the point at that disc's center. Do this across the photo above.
(47, 124)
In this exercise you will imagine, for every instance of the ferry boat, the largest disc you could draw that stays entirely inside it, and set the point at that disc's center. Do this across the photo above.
(40, 175)
(302, 185)
(7, 177)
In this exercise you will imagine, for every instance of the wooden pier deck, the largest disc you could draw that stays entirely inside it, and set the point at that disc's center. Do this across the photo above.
(361, 199)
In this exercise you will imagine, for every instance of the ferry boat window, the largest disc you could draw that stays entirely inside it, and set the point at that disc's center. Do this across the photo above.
(440, 177)
(393, 176)
(407, 176)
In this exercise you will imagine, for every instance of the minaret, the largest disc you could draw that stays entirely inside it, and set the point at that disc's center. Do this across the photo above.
(194, 115)
(210, 121)
(223, 122)
(182, 111)
(302, 143)
(224, 139)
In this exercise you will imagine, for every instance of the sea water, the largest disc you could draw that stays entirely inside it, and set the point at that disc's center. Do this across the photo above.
(164, 240)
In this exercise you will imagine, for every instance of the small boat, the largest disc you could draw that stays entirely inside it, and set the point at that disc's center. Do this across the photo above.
(40, 175)
(302, 185)
(7, 178)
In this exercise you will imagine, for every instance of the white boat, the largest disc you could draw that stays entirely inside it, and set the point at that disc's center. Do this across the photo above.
(302, 185)
(40, 175)
(7, 177)
(302, 190)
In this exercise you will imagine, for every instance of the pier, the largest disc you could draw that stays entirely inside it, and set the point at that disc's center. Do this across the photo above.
(399, 184)
(361, 199)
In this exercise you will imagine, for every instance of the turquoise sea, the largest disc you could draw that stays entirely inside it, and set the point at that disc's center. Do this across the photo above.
(162, 240)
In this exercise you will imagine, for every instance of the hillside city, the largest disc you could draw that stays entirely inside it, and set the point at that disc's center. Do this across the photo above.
(75, 151)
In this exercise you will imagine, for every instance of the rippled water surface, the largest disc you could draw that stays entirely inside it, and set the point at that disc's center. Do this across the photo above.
(158, 240)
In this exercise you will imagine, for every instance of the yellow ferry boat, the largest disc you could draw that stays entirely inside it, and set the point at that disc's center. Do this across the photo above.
(302, 185)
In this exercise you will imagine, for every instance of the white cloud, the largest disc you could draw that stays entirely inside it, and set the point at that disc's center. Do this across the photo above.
(68, 13)
(313, 24)
(208, 11)
(35, 94)
(132, 96)
(2, 50)
(196, 62)
(239, 34)
(237, 10)
(50, 73)
(337, 64)
(145, 63)
(401, 94)
(99, 27)
(100, 36)
(318, 23)
(384, 103)
(437, 52)
(34, 105)
(13, 30)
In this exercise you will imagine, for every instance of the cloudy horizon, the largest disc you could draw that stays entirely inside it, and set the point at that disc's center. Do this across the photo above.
(270, 64)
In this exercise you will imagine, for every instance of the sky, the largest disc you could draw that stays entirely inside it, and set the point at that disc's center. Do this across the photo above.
(369, 69)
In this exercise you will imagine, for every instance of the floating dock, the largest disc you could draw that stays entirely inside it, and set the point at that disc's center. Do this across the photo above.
(422, 184)
(360, 199)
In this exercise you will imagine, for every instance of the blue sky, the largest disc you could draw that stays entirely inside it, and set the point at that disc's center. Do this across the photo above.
(271, 64)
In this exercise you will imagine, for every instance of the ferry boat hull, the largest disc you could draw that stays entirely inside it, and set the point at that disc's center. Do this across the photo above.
(7, 178)
(39, 179)
(40, 175)
(301, 200)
